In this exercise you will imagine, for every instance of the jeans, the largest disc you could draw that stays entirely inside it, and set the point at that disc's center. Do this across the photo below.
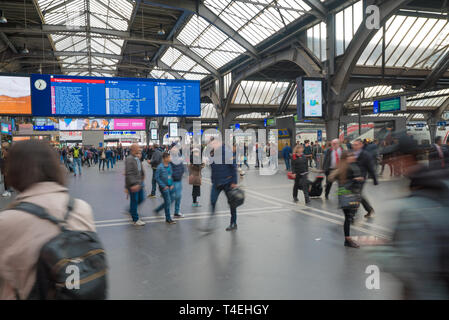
(169, 197)
(287, 164)
(109, 160)
(216, 190)
(102, 161)
(77, 162)
(135, 198)
(178, 194)
(153, 183)
(349, 214)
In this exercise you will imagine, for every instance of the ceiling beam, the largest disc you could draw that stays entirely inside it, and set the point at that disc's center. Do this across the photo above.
(358, 44)
(436, 73)
(7, 42)
(164, 67)
(56, 7)
(195, 57)
(318, 9)
(215, 20)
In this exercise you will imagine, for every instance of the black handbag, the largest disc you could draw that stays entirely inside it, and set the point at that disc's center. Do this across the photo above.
(236, 197)
(347, 199)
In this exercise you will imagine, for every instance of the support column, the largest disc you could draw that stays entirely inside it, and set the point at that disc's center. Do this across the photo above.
(223, 123)
(432, 123)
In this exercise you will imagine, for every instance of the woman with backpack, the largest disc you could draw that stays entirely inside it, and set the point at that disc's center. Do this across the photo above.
(350, 180)
(102, 158)
(35, 173)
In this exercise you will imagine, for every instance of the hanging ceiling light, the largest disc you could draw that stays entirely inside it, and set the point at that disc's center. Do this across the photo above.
(161, 31)
(40, 69)
(2, 17)
(25, 49)
(147, 57)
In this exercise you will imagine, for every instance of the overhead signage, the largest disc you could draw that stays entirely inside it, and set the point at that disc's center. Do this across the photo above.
(71, 96)
(85, 124)
(390, 105)
(310, 98)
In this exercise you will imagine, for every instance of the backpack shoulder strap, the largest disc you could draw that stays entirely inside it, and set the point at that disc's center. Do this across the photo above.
(70, 206)
(37, 211)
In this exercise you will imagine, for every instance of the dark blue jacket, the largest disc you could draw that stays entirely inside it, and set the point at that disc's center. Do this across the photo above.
(178, 171)
(224, 173)
(286, 152)
(162, 175)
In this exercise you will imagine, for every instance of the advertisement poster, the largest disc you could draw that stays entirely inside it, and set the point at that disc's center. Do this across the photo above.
(129, 124)
(313, 98)
(173, 126)
(86, 124)
(15, 95)
(153, 134)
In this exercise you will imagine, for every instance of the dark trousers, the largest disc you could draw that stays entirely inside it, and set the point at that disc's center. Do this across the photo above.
(102, 161)
(216, 190)
(196, 192)
(366, 205)
(153, 183)
(328, 183)
(301, 182)
(349, 215)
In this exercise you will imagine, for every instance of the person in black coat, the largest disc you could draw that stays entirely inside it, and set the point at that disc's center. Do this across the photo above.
(300, 169)
(438, 155)
(332, 157)
(366, 164)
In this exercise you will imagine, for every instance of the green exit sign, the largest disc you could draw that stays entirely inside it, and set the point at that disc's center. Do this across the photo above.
(271, 122)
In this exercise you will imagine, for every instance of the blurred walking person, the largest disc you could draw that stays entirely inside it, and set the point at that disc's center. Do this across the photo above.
(332, 157)
(349, 177)
(134, 182)
(35, 172)
(195, 176)
(300, 169)
(164, 178)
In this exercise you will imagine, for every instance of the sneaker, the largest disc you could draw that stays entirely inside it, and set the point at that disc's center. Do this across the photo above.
(196, 205)
(139, 223)
(369, 214)
(6, 194)
(231, 227)
(179, 215)
(351, 244)
(307, 201)
(151, 196)
(295, 200)
(170, 221)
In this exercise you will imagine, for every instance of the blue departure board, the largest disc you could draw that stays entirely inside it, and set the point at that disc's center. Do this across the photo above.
(69, 96)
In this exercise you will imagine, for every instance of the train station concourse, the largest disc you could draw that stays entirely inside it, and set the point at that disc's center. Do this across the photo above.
(224, 150)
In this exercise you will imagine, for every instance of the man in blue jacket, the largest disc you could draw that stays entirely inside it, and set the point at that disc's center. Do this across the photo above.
(224, 178)
(286, 154)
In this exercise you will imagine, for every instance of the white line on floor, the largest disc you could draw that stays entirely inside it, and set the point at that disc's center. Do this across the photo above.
(206, 216)
(190, 214)
(275, 201)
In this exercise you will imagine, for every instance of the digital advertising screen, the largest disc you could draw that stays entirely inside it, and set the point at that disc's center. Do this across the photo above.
(60, 96)
(15, 95)
(129, 124)
(173, 129)
(390, 105)
(5, 128)
(313, 98)
(153, 134)
(68, 124)
(310, 98)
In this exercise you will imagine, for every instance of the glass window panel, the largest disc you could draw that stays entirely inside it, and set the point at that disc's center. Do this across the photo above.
(348, 26)
(339, 34)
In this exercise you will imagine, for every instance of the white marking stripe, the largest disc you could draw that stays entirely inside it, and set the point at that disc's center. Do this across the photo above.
(190, 214)
(188, 218)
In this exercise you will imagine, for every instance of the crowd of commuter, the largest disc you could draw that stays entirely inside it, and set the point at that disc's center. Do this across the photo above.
(349, 164)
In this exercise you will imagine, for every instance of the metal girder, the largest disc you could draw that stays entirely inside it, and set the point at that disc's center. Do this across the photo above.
(7, 42)
(436, 73)
(295, 55)
(170, 36)
(319, 10)
(200, 9)
(358, 44)
(444, 107)
(286, 98)
(93, 54)
(215, 20)
(88, 69)
(195, 57)
(112, 10)
(56, 7)
(172, 72)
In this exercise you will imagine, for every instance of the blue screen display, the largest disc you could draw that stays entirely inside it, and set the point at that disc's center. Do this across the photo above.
(64, 96)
